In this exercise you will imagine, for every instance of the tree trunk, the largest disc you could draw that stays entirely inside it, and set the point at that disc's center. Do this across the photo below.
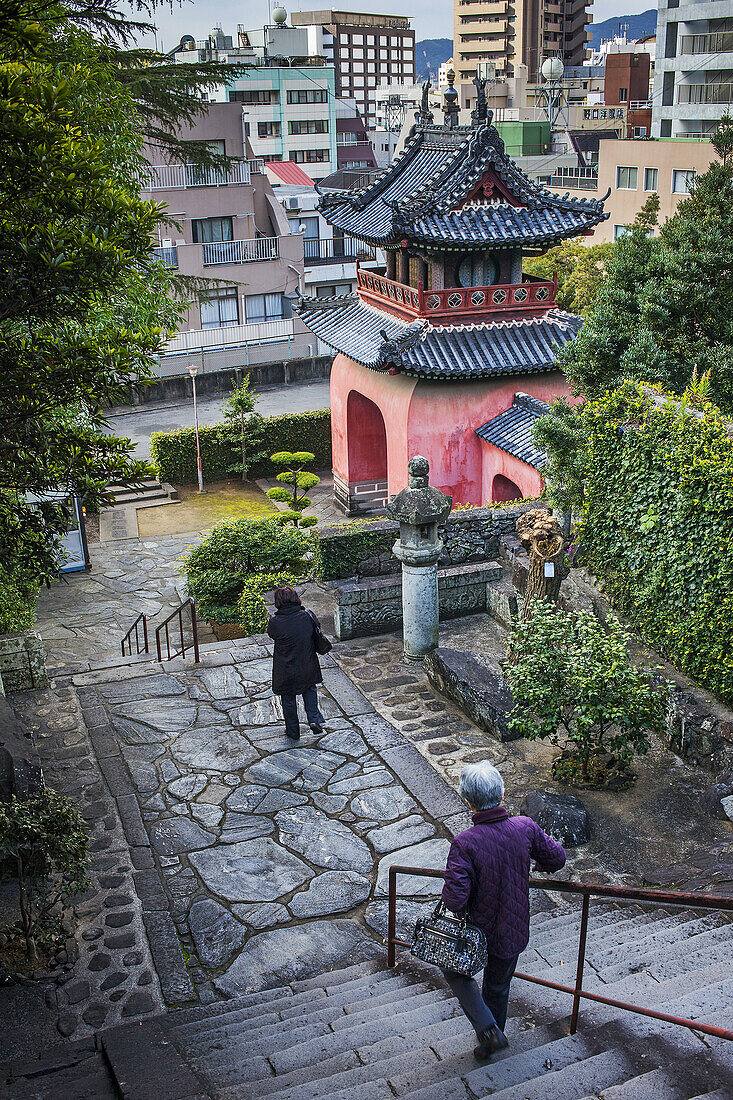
(244, 449)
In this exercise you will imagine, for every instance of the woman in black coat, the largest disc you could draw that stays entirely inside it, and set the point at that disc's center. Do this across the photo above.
(295, 667)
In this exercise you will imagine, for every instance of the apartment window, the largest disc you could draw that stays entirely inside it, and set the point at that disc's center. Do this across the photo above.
(309, 126)
(623, 95)
(219, 308)
(211, 230)
(265, 307)
(668, 88)
(665, 127)
(268, 129)
(626, 178)
(249, 95)
(620, 231)
(651, 178)
(315, 95)
(309, 156)
(670, 46)
(682, 180)
(640, 131)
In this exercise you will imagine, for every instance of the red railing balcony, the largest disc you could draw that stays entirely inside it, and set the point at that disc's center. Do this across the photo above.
(457, 303)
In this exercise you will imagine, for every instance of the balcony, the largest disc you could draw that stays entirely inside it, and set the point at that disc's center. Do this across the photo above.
(174, 177)
(228, 336)
(585, 179)
(250, 251)
(456, 305)
(705, 93)
(721, 42)
(335, 250)
(169, 256)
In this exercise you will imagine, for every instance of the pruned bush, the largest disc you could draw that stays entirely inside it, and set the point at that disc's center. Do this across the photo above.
(217, 569)
(252, 608)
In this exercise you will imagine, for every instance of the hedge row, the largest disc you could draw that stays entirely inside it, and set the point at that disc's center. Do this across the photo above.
(339, 549)
(173, 454)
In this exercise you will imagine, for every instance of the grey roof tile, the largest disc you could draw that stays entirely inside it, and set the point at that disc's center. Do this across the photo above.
(511, 431)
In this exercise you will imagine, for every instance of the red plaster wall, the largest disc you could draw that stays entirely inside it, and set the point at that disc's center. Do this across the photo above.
(367, 439)
(438, 421)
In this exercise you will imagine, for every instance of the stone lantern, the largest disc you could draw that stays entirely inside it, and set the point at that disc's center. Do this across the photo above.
(419, 509)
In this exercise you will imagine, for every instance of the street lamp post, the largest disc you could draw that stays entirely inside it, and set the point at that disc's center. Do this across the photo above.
(192, 370)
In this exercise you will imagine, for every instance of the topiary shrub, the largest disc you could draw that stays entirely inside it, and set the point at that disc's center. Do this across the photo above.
(217, 569)
(573, 683)
(295, 481)
(251, 607)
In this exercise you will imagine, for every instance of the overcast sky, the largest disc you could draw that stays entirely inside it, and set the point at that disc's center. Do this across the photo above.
(430, 18)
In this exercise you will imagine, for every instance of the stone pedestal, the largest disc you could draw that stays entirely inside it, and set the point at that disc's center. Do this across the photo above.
(419, 509)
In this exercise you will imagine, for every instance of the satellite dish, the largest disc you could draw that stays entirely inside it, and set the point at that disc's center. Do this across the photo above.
(279, 15)
(552, 68)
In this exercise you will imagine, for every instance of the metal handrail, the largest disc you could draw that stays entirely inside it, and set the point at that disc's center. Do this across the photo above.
(657, 897)
(135, 629)
(187, 605)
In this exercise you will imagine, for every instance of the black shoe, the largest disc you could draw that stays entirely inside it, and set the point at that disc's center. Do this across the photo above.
(490, 1041)
(293, 736)
(318, 730)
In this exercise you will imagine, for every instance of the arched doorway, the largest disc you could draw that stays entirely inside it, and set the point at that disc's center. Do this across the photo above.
(366, 439)
(503, 489)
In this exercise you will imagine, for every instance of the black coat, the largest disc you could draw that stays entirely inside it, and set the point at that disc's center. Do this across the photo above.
(295, 666)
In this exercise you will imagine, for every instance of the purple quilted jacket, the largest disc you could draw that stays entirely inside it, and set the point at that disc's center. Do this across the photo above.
(488, 870)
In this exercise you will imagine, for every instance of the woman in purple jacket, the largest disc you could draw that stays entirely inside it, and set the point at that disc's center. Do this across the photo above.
(487, 873)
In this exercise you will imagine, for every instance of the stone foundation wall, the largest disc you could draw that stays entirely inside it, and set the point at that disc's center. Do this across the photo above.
(374, 606)
(22, 662)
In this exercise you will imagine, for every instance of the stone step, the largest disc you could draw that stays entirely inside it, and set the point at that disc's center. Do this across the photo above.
(535, 1063)
(82, 1079)
(664, 950)
(603, 938)
(719, 1094)
(311, 1010)
(657, 1084)
(554, 927)
(244, 1040)
(586, 1077)
(357, 1077)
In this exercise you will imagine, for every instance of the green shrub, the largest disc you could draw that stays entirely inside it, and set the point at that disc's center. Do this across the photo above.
(46, 839)
(17, 603)
(173, 454)
(251, 607)
(294, 485)
(652, 481)
(339, 549)
(573, 683)
(217, 569)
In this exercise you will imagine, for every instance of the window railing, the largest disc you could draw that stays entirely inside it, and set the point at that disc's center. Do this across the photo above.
(262, 332)
(172, 177)
(240, 252)
(586, 891)
(720, 42)
(705, 93)
(335, 249)
(456, 302)
(168, 255)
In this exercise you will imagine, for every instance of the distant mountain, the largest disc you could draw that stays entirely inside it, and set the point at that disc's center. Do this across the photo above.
(637, 26)
(438, 50)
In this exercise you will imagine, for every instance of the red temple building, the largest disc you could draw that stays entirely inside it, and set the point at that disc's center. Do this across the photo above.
(453, 354)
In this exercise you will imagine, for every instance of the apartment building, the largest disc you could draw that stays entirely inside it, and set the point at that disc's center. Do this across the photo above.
(287, 95)
(693, 75)
(228, 225)
(366, 50)
(493, 37)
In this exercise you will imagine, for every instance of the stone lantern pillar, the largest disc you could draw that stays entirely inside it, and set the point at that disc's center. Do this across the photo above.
(418, 510)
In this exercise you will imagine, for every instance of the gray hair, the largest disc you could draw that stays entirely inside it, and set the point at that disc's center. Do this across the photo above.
(481, 785)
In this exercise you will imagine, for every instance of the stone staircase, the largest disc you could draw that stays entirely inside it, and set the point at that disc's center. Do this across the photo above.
(147, 491)
(369, 1033)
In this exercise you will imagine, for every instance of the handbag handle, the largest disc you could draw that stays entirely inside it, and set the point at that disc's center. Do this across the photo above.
(441, 910)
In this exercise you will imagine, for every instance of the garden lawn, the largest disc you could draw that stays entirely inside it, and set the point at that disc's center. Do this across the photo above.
(222, 500)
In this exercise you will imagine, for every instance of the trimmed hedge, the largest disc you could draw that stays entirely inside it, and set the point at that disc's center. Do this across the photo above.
(339, 549)
(173, 454)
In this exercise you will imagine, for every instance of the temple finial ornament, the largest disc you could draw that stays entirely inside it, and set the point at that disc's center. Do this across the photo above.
(424, 116)
(450, 107)
(481, 111)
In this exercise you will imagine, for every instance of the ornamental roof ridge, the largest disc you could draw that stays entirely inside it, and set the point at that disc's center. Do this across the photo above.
(556, 315)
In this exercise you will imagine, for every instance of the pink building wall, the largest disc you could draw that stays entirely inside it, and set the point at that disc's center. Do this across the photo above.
(434, 419)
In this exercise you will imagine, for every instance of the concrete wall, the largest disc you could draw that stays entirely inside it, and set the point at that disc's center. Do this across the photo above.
(178, 387)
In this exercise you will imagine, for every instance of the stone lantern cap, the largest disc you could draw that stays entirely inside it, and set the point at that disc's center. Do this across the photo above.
(420, 503)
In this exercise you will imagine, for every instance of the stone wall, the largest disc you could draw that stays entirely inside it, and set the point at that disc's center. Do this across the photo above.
(374, 605)
(22, 662)
(469, 535)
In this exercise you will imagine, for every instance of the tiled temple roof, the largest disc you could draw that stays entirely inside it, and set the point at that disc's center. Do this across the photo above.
(420, 196)
(447, 353)
(511, 431)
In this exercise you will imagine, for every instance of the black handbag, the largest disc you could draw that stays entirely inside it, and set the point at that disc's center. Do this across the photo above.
(450, 942)
(322, 643)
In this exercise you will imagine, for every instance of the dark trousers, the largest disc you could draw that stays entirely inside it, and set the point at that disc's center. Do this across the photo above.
(487, 1008)
(290, 711)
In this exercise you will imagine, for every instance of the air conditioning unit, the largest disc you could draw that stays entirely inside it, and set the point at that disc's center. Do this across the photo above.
(167, 242)
(292, 202)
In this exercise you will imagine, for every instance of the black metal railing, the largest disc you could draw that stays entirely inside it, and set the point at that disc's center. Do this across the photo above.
(141, 622)
(586, 890)
(163, 633)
